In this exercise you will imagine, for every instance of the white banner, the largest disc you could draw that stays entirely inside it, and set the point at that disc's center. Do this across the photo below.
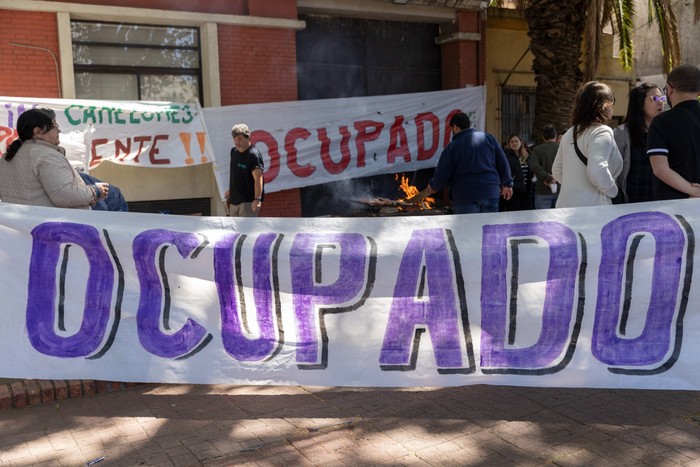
(589, 297)
(144, 134)
(312, 142)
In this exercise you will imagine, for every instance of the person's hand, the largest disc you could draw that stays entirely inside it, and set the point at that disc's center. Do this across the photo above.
(256, 205)
(696, 191)
(104, 189)
(507, 192)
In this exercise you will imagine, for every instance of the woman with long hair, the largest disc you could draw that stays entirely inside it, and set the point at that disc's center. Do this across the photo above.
(588, 179)
(34, 169)
(645, 102)
(517, 156)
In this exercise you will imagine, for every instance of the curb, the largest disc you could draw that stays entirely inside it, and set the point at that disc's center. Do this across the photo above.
(24, 393)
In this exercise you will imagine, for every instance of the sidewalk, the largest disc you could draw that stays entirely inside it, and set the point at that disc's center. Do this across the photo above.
(473, 425)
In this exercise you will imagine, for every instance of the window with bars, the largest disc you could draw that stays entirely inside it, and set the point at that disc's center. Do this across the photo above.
(517, 112)
(136, 62)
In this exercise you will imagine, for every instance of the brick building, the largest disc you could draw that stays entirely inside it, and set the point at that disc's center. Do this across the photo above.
(228, 52)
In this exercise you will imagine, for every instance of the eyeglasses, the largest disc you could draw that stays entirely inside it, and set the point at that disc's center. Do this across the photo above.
(657, 99)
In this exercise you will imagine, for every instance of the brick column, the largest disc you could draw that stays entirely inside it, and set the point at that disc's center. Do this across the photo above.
(463, 51)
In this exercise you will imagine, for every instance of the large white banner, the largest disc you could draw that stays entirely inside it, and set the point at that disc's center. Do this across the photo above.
(303, 142)
(144, 134)
(312, 142)
(589, 297)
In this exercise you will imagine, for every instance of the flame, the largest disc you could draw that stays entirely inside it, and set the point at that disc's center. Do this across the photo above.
(411, 190)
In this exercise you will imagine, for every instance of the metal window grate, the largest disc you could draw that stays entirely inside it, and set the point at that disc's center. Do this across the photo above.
(517, 112)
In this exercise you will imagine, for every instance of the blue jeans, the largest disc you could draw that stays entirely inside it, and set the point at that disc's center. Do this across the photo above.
(480, 205)
(545, 201)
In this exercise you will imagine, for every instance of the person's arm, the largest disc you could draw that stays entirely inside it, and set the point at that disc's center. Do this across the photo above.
(258, 186)
(503, 168)
(599, 146)
(623, 141)
(657, 151)
(65, 187)
(662, 171)
(537, 167)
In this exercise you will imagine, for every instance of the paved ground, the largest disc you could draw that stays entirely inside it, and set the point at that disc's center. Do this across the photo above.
(474, 425)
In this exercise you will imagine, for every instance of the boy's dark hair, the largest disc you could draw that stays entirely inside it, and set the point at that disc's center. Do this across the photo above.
(461, 120)
(549, 132)
(685, 78)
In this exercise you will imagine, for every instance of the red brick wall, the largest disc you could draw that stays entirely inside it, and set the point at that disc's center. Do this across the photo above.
(463, 62)
(285, 203)
(276, 9)
(28, 72)
(259, 65)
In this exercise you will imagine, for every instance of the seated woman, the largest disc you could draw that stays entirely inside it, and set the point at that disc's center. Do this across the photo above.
(34, 170)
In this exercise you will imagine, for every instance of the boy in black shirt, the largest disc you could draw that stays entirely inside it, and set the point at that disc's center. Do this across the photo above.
(673, 140)
(245, 189)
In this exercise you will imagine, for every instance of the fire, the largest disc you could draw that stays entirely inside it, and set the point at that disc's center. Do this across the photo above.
(411, 190)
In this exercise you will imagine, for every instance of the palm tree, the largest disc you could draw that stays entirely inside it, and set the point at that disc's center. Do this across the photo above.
(566, 40)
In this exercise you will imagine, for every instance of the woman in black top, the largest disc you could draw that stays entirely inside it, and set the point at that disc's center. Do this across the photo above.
(517, 156)
(645, 102)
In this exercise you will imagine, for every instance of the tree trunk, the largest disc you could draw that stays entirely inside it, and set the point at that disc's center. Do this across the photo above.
(556, 29)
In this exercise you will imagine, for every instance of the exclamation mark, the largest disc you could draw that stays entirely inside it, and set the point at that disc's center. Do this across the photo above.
(186, 139)
(202, 138)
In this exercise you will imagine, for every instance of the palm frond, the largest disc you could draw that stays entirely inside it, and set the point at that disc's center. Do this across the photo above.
(624, 19)
(668, 30)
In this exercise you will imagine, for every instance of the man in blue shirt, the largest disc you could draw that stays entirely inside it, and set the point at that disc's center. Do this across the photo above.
(475, 169)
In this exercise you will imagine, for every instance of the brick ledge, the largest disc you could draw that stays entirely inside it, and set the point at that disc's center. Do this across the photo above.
(23, 393)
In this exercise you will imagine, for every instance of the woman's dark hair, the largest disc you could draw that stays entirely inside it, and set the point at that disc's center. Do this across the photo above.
(30, 119)
(635, 118)
(588, 106)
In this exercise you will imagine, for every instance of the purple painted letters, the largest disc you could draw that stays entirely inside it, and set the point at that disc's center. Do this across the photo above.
(653, 344)
(145, 247)
(558, 300)
(41, 313)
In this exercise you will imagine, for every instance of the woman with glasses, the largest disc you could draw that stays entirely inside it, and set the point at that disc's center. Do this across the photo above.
(35, 171)
(588, 161)
(645, 103)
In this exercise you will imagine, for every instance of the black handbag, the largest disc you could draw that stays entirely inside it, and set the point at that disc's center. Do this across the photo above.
(621, 197)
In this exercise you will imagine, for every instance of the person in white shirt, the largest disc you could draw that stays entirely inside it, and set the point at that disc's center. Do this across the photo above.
(593, 183)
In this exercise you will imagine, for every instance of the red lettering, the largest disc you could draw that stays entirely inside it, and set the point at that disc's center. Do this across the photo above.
(398, 142)
(155, 151)
(364, 135)
(289, 141)
(448, 130)
(421, 119)
(122, 147)
(7, 136)
(140, 140)
(272, 170)
(95, 160)
(331, 166)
